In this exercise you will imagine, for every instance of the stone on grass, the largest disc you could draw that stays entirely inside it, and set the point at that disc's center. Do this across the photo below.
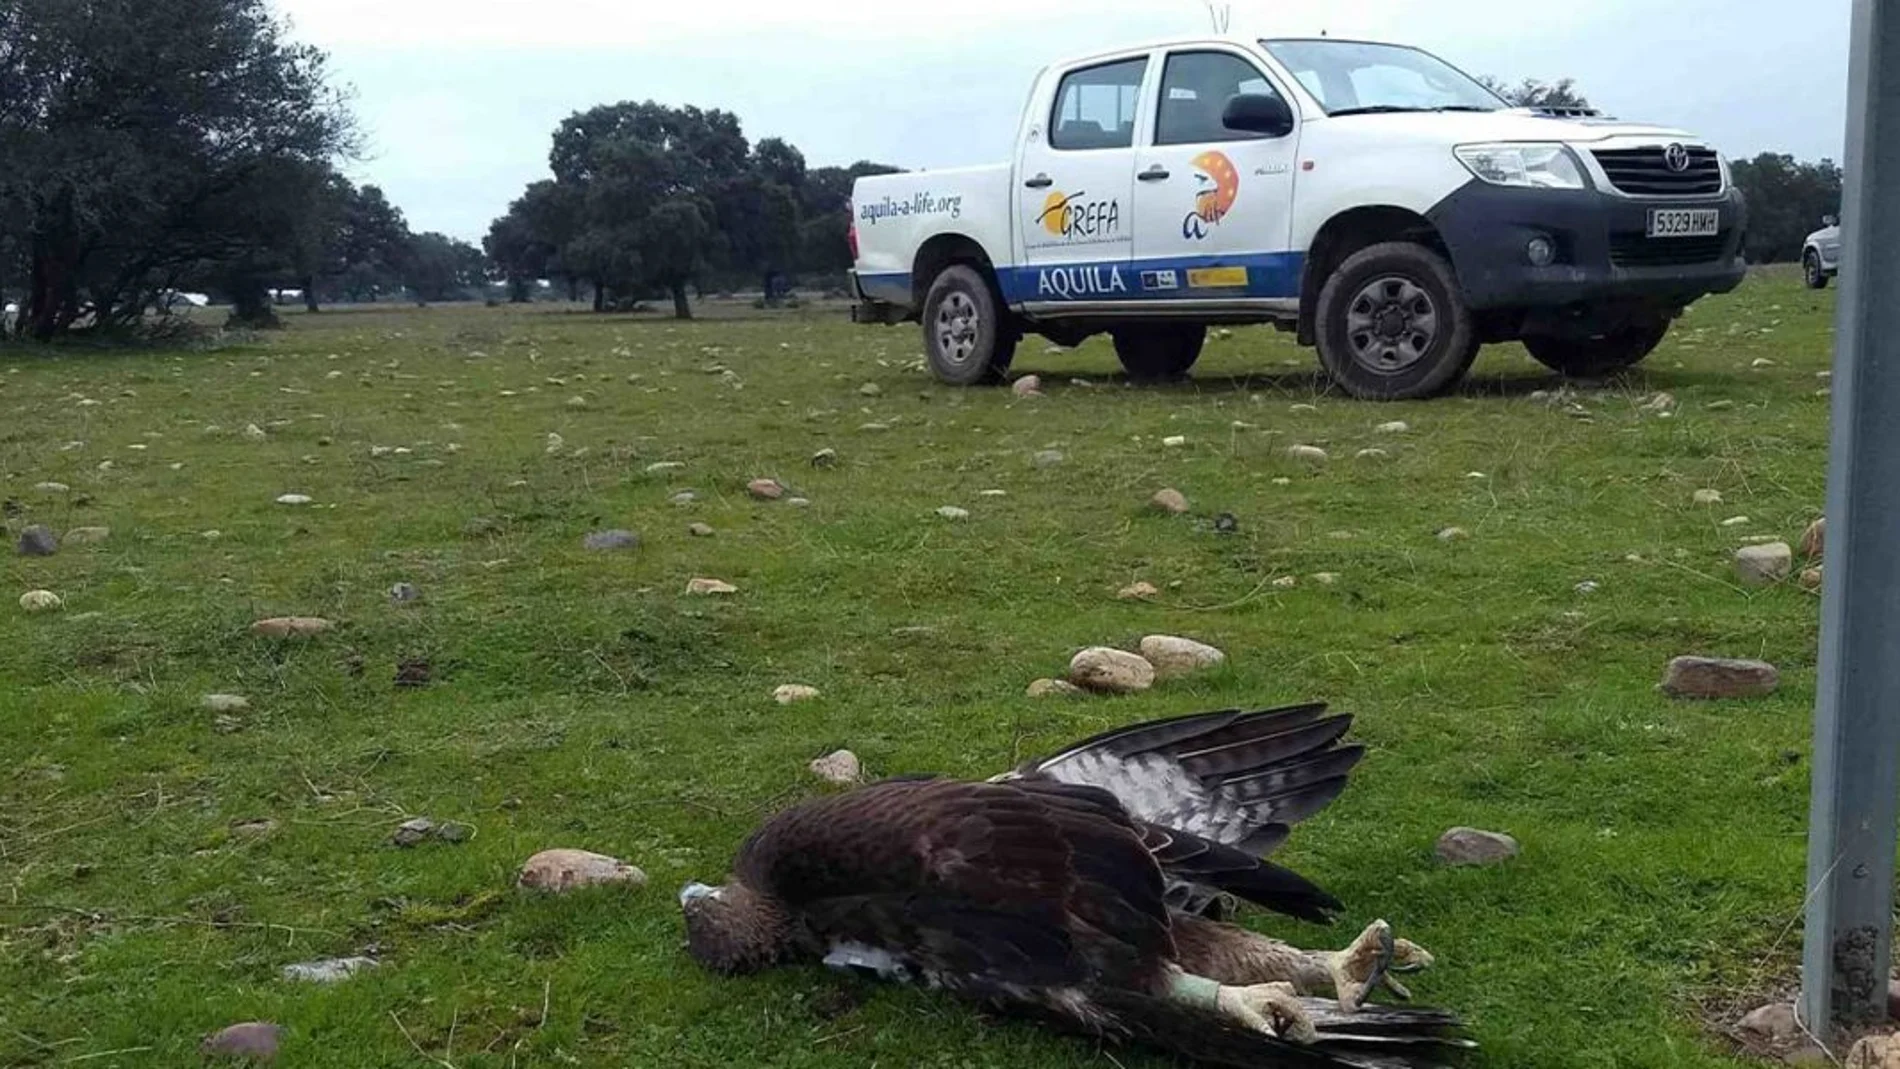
(825, 458)
(1174, 441)
(37, 541)
(1047, 458)
(291, 627)
(1588, 587)
(798, 502)
(1111, 671)
(1137, 591)
(1737, 521)
(1027, 386)
(601, 541)
(1172, 655)
(52, 488)
(1286, 582)
(1772, 1025)
(1470, 846)
(329, 970)
(254, 433)
(455, 832)
(1311, 453)
(1170, 501)
(662, 466)
(87, 536)
(1814, 539)
(255, 1041)
(684, 498)
(793, 693)
(404, 593)
(1811, 578)
(765, 489)
(699, 586)
(871, 389)
(840, 766)
(1708, 497)
(294, 499)
(226, 703)
(1397, 426)
(412, 831)
(1874, 1052)
(1051, 688)
(562, 870)
(1371, 454)
(952, 512)
(699, 530)
(1764, 565)
(1453, 534)
(40, 601)
(1325, 578)
(1717, 677)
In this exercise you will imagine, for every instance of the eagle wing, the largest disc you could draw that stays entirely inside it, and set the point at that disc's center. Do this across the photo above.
(1218, 792)
(981, 886)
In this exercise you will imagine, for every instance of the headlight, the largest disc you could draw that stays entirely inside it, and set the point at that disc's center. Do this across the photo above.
(1728, 178)
(1529, 166)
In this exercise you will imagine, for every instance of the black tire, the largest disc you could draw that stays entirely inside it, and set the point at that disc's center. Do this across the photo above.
(1159, 352)
(1602, 355)
(1811, 270)
(967, 338)
(1392, 326)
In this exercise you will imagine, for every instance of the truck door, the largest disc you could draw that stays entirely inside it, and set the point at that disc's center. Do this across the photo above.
(1213, 206)
(1074, 222)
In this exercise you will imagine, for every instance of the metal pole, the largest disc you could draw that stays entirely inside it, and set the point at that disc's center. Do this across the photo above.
(1851, 824)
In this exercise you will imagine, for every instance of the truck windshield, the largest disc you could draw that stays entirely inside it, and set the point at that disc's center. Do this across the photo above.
(1357, 78)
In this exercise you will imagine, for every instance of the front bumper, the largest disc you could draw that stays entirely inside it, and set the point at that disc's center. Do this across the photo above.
(1603, 255)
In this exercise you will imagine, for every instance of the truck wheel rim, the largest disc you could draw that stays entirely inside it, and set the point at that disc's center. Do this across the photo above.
(1391, 324)
(957, 323)
(1813, 265)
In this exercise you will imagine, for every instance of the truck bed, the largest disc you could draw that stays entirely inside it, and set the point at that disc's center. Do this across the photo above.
(896, 213)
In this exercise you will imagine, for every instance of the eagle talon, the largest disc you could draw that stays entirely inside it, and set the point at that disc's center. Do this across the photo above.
(1363, 967)
(1271, 1008)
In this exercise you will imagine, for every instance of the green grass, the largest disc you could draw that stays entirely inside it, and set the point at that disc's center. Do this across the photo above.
(581, 700)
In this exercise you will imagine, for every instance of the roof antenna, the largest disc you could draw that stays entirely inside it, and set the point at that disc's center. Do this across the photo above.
(1222, 15)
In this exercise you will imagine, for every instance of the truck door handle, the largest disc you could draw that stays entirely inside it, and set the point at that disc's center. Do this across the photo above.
(1157, 173)
(1041, 181)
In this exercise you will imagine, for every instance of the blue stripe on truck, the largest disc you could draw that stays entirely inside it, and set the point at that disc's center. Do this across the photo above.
(1256, 275)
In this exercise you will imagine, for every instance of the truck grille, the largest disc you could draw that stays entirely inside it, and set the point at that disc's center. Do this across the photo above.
(1645, 172)
(1640, 250)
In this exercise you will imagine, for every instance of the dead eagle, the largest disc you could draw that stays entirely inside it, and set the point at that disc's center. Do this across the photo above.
(1083, 888)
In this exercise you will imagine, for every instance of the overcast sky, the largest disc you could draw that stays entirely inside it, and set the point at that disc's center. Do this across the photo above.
(458, 97)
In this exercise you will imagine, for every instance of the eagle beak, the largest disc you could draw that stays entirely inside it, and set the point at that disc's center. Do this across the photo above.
(693, 892)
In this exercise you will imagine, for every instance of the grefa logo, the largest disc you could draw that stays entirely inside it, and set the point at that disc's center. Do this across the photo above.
(1068, 216)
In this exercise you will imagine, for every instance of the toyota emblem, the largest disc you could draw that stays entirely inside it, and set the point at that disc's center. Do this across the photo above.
(1677, 158)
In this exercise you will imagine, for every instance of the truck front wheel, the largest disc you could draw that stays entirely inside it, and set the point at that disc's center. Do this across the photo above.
(1812, 272)
(1159, 352)
(1604, 354)
(1391, 325)
(965, 336)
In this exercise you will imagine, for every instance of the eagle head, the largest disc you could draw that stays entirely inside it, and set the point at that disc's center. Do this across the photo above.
(733, 929)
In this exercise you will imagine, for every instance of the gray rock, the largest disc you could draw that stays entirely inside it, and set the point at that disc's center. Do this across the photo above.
(1111, 671)
(684, 498)
(1047, 458)
(1170, 501)
(1051, 688)
(793, 693)
(765, 489)
(1764, 565)
(952, 512)
(1814, 539)
(1172, 655)
(1470, 846)
(404, 593)
(825, 458)
(38, 541)
(454, 832)
(561, 870)
(610, 540)
(87, 536)
(255, 1041)
(871, 389)
(1027, 386)
(1715, 677)
(291, 627)
(700, 530)
(1138, 591)
(1453, 534)
(841, 767)
(329, 970)
(226, 703)
(1771, 1024)
(413, 831)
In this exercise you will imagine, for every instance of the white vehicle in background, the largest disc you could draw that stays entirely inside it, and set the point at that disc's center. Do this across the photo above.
(1821, 255)
(1388, 208)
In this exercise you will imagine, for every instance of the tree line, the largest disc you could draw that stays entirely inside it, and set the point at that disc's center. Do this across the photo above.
(153, 147)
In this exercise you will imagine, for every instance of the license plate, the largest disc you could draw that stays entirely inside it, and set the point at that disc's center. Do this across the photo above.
(1684, 222)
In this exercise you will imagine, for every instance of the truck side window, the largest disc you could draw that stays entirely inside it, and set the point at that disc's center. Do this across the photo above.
(1095, 106)
(1195, 89)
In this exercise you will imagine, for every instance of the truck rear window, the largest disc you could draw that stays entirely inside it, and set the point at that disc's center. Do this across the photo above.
(1095, 106)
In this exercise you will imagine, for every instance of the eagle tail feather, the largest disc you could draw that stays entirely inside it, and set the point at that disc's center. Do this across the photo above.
(1377, 1037)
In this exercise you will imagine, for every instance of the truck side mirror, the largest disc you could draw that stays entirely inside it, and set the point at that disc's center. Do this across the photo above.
(1258, 113)
(1830, 220)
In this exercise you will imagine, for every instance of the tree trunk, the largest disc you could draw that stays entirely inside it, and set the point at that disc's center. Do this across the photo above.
(600, 297)
(573, 290)
(518, 291)
(681, 309)
(310, 295)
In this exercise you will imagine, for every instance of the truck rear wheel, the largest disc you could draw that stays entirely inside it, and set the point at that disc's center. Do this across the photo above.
(1159, 352)
(1812, 272)
(966, 338)
(1392, 326)
(1604, 354)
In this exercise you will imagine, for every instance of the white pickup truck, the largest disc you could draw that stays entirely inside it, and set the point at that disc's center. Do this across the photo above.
(1387, 207)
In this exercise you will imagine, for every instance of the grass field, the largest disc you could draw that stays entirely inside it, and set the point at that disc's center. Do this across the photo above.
(580, 699)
